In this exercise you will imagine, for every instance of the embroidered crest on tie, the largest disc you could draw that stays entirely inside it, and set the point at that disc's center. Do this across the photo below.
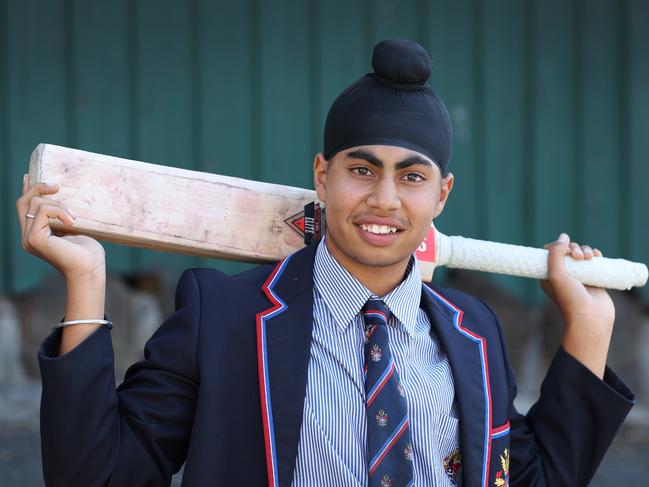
(388, 435)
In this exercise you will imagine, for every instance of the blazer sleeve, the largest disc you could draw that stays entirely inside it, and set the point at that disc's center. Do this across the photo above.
(562, 439)
(93, 434)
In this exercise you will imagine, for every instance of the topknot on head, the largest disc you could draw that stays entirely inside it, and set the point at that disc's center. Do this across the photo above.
(402, 62)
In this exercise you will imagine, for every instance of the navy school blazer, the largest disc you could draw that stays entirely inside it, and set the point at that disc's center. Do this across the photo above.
(223, 383)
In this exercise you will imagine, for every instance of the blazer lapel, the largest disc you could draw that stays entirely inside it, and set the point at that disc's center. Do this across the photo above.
(283, 350)
(467, 355)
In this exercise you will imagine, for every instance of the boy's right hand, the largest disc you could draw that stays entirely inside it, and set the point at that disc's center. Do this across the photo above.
(74, 256)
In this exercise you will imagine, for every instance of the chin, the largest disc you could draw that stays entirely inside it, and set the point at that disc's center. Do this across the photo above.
(378, 258)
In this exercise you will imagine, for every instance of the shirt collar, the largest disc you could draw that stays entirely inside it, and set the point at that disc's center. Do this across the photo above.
(345, 296)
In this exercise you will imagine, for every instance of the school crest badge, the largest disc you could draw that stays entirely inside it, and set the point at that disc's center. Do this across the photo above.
(452, 464)
(386, 481)
(381, 418)
(407, 452)
(502, 476)
(375, 353)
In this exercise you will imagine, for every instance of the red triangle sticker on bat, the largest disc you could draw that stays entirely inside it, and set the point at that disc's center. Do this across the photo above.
(296, 223)
(299, 223)
(308, 224)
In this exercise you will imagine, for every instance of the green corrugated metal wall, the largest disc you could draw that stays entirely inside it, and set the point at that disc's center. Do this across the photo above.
(550, 101)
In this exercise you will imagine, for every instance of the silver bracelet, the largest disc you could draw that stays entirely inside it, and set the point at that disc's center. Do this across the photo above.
(84, 322)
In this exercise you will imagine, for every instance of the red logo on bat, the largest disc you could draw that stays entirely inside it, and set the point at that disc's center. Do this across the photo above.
(308, 223)
(296, 223)
(426, 250)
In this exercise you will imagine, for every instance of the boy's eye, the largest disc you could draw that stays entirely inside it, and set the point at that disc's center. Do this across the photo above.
(361, 171)
(413, 177)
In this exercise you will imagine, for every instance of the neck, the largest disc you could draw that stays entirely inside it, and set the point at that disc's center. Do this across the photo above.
(381, 285)
(379, 279)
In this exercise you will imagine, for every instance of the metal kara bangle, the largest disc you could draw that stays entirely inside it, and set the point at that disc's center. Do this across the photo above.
(84, 322)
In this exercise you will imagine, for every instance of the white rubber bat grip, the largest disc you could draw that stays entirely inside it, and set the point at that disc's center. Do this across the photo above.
(516, 260)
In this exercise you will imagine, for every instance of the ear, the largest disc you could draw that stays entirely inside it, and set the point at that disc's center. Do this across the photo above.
(444, 192)
(320, 166)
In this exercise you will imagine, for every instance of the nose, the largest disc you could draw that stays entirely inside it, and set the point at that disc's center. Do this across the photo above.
(384, 195)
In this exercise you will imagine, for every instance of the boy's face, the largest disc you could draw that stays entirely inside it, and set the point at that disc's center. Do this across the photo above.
(380, 202)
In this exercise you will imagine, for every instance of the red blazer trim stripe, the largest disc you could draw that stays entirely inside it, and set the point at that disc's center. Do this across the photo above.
(482, 347)
(262, 360)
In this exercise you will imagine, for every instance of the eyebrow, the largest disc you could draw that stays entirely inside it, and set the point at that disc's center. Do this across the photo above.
(375, 161)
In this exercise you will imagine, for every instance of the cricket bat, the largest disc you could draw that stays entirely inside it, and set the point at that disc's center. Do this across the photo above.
(165, 208)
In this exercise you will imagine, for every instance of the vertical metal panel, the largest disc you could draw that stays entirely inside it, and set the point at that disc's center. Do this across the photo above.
(391, 19)
(549, 101)
(8, 191)
(636, 231)
(285, 93)
(340, 54)
(225, 88)
(553, 140)
(504, 119)
(599, 168)
(36, 106)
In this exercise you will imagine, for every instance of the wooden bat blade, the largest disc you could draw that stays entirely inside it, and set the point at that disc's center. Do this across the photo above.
(172, 209)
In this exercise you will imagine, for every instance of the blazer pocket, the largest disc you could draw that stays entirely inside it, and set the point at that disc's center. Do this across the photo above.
(500, 431)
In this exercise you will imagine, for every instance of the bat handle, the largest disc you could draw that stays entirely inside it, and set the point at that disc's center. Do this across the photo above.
(516, 260)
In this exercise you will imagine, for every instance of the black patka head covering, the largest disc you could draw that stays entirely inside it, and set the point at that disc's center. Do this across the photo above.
(392, 106)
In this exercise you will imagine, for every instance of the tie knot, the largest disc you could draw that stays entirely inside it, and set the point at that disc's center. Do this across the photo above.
(376, 312)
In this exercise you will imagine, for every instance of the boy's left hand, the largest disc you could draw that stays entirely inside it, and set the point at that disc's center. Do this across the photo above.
(588, 312)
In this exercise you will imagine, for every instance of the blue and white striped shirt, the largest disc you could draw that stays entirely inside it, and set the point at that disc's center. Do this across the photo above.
(333, 442)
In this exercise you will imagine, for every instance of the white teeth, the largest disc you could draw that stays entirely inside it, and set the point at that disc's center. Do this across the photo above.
(378, 229)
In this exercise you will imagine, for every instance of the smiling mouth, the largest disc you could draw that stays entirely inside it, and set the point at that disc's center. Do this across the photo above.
(378, 229)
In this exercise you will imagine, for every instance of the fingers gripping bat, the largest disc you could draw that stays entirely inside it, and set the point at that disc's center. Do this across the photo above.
(178, 210)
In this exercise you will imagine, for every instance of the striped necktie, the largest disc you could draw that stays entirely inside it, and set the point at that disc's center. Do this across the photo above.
(388, 434)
